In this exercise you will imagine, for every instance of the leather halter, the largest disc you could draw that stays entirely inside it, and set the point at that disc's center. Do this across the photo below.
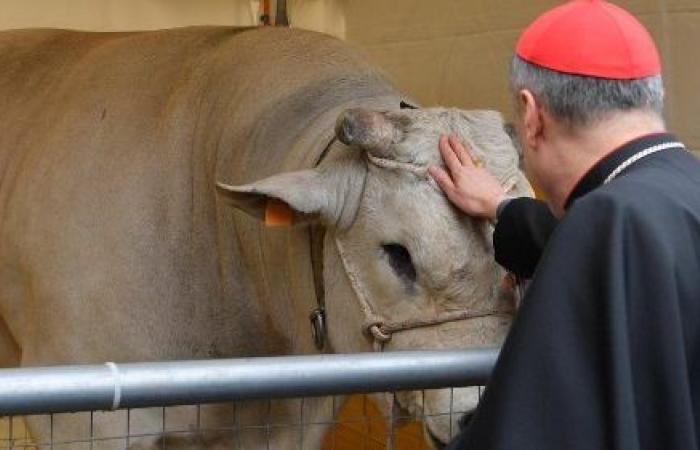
(316, 236)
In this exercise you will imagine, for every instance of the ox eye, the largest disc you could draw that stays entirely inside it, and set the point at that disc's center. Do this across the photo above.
(400, 260)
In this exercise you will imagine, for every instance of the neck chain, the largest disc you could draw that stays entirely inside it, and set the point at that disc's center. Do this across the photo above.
(641, 155)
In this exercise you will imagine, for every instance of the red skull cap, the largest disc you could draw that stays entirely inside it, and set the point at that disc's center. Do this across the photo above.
(592, 38)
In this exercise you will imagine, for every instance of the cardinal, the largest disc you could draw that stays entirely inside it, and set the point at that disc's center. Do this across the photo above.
(604, 352)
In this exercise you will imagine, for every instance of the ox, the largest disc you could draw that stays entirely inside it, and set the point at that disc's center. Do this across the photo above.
(117, 243)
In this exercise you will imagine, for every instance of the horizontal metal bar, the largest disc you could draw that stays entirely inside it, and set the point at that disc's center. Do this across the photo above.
(132, 385)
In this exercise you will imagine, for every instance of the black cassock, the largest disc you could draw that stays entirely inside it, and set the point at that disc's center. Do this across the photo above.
(523, 229)
(605, 350)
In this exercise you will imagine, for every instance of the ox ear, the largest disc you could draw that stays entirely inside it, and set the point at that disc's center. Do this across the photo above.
(290, 198)
(330, 194)
(373, 131)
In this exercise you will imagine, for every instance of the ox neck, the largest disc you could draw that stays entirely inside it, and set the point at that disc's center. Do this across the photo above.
(317, 232)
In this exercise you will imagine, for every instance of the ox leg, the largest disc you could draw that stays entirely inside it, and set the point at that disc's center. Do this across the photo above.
(259, 425)
(86, 431)
(92, 431)
(288, 425)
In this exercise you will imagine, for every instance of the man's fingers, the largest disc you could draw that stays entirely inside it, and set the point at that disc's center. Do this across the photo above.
(449, 156)
(462, 153)
(441, 178)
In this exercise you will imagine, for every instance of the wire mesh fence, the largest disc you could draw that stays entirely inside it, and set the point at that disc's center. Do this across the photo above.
(360, 425)
(399, 420)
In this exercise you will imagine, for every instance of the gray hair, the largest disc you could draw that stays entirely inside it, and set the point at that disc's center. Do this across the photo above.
(580, 100)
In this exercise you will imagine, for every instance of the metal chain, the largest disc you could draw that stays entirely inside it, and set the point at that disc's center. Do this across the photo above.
(643, 154)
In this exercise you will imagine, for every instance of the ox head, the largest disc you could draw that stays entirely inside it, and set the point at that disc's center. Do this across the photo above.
(394, 238)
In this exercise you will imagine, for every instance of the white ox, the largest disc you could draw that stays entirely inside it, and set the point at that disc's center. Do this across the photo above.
(116, 243)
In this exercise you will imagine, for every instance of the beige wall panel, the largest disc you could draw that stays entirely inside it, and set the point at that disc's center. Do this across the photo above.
(468, 71)
(444, 52)
(683, 62)
(457, 53)
(326, 16)
(113, 15)
(123, 14)
(370, 22)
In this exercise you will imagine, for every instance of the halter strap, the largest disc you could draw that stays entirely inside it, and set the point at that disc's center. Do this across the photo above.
(420, 170)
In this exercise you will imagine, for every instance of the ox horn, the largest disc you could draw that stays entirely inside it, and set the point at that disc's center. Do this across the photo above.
(369, 130)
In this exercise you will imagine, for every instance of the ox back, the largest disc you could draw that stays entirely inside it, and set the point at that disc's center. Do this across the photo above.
(114, 244)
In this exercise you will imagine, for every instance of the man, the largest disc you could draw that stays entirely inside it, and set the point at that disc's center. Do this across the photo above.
(605, 349)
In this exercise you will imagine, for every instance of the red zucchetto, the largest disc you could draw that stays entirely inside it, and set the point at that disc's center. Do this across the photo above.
(592, 38)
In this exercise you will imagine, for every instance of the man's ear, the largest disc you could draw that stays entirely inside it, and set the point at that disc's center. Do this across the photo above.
(531, 118)
(331, 195)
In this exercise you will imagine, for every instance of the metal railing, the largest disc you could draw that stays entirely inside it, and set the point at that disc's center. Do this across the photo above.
(91, 388)
(134, 385)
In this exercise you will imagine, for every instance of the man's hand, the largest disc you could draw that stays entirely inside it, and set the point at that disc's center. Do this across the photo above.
(468, 185)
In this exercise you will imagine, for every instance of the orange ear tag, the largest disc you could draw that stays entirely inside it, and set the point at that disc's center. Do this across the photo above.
(278, 214)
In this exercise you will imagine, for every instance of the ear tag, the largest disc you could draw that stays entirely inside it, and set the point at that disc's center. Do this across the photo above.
(278, 214)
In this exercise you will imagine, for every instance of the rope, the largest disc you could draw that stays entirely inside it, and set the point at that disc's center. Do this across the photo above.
(372, 320)
(418, 169)
(381, 329)
(421, 170)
